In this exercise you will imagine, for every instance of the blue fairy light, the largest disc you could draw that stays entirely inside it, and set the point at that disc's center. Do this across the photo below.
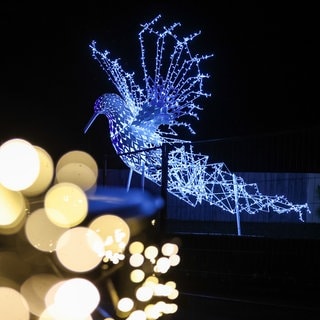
(142, 119)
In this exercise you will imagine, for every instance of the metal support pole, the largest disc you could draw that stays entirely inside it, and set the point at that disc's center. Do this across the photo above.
(142, 176)
(129, 179)
(164, 187)
(235, 188)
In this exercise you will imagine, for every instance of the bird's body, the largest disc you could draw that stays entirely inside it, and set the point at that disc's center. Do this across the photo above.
(141, 121)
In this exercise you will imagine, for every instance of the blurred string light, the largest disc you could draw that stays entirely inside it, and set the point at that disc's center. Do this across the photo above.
(64, 240)
(143, 119)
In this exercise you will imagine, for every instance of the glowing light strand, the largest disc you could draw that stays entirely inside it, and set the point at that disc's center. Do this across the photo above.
(141, 120)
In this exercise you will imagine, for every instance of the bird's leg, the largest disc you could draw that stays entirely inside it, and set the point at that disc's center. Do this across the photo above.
(142, 176)
(236, 203)
(129, 179)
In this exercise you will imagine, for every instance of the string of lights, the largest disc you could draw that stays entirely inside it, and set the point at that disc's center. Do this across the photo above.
(141, 120)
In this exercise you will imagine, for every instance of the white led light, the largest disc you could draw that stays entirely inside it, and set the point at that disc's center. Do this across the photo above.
(19, 164)
(142, 120)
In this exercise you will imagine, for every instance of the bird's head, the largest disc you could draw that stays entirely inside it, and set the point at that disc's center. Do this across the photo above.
(105, 104)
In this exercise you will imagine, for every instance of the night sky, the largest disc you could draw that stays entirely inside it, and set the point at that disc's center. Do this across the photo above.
(262, 75)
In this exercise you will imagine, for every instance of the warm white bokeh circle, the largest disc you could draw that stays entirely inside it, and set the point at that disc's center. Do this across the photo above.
(151, 252)
(77, 167)
(113, 230)
(80, 296)
(73, 299)
(45, 175)
(41, 232)
(153, 311)
(13, 210)
(136, 247)
(174, 260)
(137, 315)
(125, 304)
(162, 265)
(13, 305)
(136, 260)
(54, 313)
(144, 293)
(151, 281)
(169, 249)
(34, 290)
(66, 204)
(80, 249)
(19, 164)
(137, 275)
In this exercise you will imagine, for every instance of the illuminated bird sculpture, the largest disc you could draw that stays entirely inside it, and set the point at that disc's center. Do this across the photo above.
(142, 120)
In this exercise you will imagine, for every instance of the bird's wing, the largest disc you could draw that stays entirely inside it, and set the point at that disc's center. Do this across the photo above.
(172, 76)
(123, 81)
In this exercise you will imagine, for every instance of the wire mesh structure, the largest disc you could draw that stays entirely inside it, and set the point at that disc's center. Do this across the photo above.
(143, 119)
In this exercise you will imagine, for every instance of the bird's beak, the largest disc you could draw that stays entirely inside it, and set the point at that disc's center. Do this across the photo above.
(86, 128)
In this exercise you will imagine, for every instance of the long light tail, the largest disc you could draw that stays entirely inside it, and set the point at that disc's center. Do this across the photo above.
(194, 180)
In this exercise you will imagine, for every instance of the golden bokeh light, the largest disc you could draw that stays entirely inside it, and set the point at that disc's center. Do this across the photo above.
(77, 167)
(113, 230)
(45, 176)
(41, 232)
(80, 249)
(136, 260)
(66, 204)
(136, 247)
(35, 288)
(49, 238)
(13, 305)
(137, 275)
(76, 298)
(125, 304)
(19, 164)
(13, 210)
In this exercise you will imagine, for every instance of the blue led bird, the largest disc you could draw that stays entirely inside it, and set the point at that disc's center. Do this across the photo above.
(141, 120)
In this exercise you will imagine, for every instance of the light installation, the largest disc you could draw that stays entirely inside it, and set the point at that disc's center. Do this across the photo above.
(144, 119)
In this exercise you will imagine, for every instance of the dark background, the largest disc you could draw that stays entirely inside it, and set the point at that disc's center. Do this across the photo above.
(263, 81)
(262, 73)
